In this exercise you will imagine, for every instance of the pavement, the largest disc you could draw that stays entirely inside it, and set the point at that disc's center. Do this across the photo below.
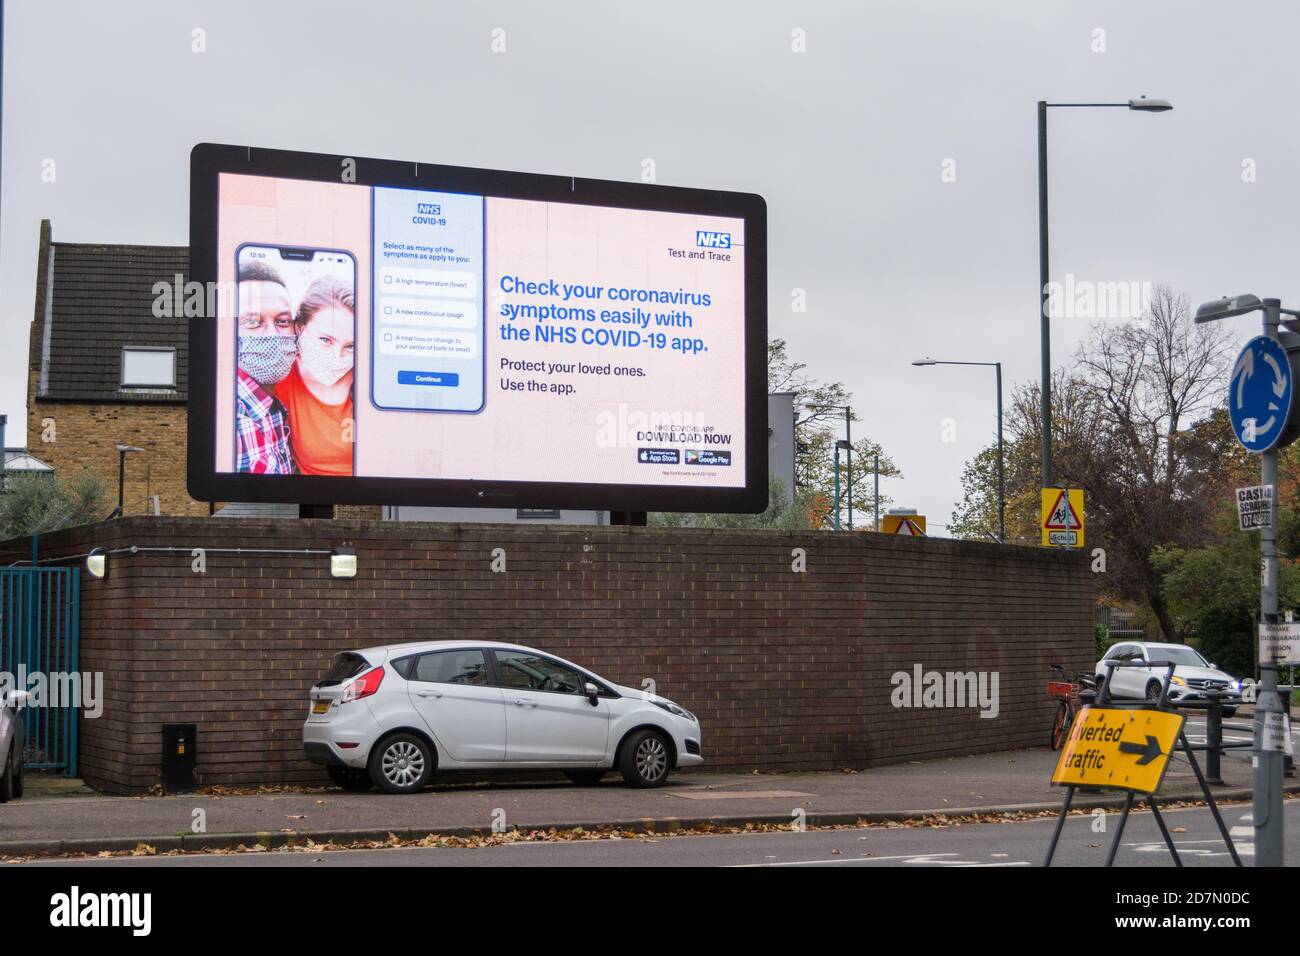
(61, 817)
(1017, 844)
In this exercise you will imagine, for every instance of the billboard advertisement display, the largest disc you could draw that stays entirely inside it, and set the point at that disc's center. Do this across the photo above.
(399, 333)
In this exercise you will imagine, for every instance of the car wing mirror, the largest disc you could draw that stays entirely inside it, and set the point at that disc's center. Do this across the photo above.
(592, 692)
(16, 699)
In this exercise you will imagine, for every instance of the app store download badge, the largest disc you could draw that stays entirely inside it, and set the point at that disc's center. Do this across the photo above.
(658, 456)
(707, 457)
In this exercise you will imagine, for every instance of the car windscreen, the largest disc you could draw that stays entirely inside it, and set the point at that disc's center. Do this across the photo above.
(1184, 656)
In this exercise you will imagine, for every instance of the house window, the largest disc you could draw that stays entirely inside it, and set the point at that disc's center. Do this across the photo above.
(537, 514)
(148, 367)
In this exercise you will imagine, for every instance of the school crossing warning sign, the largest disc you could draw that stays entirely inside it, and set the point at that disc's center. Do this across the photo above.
(1118, 748)
(1062, 518)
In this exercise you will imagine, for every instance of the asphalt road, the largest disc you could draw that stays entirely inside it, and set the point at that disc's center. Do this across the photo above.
(989, 844)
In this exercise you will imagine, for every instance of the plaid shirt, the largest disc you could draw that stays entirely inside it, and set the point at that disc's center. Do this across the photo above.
(261, 431)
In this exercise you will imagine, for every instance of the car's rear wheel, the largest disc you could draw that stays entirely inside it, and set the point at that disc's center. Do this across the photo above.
(7, 779)
(401, 763)
(585, 778)
(350, 778)
(645, 759)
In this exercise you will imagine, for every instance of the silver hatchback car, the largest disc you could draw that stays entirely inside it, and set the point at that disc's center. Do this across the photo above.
(11, 744)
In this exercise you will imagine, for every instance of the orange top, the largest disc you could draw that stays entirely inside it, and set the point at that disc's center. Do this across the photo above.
(318, 432)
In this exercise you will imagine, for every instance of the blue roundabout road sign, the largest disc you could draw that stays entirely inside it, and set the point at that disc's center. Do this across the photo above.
(1260, 393)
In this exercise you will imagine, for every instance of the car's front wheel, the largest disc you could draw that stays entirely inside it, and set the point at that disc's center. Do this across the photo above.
(644, 759)
(1153, 691)
(349, 778)
(401, 763)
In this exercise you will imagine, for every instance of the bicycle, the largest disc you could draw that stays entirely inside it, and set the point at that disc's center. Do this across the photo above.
(1069, 691)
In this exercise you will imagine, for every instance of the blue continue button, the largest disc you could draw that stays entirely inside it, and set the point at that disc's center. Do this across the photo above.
(450, 379)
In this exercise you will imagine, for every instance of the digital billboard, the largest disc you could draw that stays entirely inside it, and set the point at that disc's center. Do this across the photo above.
(389, 332)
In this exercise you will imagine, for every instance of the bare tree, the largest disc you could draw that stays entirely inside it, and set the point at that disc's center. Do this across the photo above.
(1147, 442)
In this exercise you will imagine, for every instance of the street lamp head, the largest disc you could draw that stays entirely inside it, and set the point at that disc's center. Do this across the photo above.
(1145, 105)
(925, 361)
(126, 448)
(1227, 308)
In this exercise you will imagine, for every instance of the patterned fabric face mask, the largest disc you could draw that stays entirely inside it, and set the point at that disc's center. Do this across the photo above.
(318, 362)
(267, 358)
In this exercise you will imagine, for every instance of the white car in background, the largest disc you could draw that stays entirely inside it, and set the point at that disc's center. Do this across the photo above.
(1193, 674)
(390, 716)
(11, 744)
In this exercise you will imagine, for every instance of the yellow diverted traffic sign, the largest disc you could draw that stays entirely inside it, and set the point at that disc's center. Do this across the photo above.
(1118, 748)
(1062, 523)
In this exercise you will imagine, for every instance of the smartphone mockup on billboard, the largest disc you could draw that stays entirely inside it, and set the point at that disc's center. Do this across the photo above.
(399, 333)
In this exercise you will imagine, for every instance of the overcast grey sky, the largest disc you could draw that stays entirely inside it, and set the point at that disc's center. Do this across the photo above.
(848, 142)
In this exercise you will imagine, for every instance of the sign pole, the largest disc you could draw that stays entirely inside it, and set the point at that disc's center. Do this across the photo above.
(1267, 784)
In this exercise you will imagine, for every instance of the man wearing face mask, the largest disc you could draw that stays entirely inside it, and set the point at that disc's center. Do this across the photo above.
(317, 392)
(267, 348)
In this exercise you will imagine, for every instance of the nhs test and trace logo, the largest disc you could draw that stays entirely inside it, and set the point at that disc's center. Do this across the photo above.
(712, 240)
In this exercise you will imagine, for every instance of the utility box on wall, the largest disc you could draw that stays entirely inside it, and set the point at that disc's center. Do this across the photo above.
(180, 763)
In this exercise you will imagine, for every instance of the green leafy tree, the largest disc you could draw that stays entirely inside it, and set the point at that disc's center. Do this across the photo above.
(38, 502)
(821, 409)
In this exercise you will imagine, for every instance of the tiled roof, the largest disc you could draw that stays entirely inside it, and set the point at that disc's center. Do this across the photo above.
(101, 301)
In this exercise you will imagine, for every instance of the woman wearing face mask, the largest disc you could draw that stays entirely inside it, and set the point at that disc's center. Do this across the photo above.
(317, 393)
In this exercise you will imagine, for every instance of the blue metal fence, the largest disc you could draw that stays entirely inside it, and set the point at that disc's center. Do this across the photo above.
(39, 623)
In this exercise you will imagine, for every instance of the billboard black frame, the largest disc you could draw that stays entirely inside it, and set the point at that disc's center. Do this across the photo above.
(208, 161)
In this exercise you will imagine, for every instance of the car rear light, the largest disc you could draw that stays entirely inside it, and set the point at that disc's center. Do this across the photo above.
(363, 685)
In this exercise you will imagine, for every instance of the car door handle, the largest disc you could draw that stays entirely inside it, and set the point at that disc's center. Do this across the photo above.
(429, 693)
(520, 702)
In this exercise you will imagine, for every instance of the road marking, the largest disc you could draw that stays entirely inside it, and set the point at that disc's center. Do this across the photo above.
(915, 859)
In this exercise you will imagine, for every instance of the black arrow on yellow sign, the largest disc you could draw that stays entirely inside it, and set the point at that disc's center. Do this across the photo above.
(1149, 751)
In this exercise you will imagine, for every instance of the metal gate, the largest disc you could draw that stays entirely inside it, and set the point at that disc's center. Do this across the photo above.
(39, 636)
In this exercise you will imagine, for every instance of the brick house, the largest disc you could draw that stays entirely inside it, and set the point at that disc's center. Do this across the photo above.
(104, 371)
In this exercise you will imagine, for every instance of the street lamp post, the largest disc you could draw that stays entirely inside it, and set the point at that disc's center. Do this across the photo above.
(1002, 484)
(840, 445)
(122, 452)
(1142, 105)
(847, 445)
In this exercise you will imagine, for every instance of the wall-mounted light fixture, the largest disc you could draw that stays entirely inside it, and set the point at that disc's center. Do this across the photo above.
(343, 563)
(97, 563)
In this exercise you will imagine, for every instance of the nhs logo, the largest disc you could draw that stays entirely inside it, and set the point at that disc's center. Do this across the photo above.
(428, 209)
(713, 240)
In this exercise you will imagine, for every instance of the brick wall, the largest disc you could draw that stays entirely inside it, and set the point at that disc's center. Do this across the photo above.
(786, 670)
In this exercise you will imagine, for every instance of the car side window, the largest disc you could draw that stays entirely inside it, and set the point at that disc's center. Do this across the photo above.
(1120, 652)
(520, 670)
(467, 666)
